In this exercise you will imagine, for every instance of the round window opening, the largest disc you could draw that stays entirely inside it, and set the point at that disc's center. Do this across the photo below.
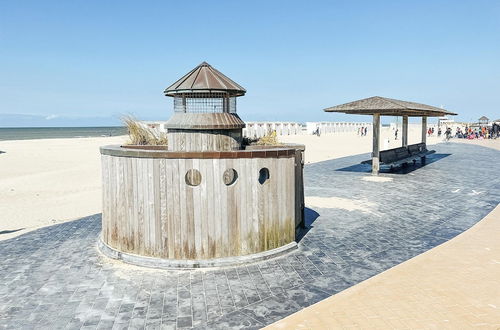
(263, 175)
(193, 178)
(230, 176)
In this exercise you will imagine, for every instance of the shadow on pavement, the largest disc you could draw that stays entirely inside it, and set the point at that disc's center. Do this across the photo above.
(10, 231)
(367, 168)
(310, 216)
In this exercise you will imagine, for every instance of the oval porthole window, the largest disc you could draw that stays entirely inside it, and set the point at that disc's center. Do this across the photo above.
(230, 176)
(193, 178)
(263, 175)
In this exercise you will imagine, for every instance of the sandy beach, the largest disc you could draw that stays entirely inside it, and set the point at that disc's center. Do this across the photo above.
(48, 181)
(44, 182)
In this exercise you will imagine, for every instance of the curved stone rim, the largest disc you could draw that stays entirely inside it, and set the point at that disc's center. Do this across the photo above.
(160, 152)
(159, 263)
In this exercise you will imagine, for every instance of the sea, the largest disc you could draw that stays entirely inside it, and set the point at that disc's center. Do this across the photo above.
(29, 133)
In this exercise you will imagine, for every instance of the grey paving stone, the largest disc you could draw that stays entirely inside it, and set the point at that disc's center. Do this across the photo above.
(55, 278)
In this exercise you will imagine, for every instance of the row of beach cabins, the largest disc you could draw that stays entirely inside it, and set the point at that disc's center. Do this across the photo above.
(259, 129)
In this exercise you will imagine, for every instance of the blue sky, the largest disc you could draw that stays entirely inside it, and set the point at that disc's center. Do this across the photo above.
(71, 62)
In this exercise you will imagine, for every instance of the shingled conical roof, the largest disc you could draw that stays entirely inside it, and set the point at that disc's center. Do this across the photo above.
(204, 78)
(484, 118)
(389, 107)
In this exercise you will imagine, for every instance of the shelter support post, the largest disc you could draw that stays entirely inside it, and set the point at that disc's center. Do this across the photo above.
(424, 129)
(376, 144)
(405, 131)
(424, 135)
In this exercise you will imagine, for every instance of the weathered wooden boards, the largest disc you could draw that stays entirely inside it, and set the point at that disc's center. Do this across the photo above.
(204, 140)
(150, 210)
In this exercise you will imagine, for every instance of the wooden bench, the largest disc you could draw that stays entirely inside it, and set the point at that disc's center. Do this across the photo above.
(402, 155)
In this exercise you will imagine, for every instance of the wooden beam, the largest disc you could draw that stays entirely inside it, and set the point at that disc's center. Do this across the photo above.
(376, 144)
(405, 131)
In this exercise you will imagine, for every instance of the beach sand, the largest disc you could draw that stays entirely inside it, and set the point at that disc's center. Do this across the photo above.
(47, 181)
(44, 182)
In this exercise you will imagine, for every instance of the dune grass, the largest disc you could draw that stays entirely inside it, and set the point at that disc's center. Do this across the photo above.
(270, 139)
(140, 134)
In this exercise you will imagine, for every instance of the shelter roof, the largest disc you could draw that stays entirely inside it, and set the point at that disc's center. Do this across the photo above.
(484, 118)
(204, 78)
(389, 107)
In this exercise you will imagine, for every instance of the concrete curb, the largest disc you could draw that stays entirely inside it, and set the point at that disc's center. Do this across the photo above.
(160, 263)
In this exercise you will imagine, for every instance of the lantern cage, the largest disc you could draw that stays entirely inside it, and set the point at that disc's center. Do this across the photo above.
(205, 103)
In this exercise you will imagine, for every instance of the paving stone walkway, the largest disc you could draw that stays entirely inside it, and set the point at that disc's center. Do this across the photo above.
(54, 278)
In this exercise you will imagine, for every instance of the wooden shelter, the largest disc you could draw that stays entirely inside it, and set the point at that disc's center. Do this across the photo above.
(204, 116)
(381, 106)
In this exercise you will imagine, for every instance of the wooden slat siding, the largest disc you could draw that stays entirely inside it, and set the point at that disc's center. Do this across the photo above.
(151, 205)
(280, 211)
(231, 212)
(147, 209)
(140, 203)
(204, 210)
(190, 234)
(116, 194)
(217, 238)
(111, 217)
(241, 197)
(163, 208)
(206, 207)
(124, 203)
(198, 209)
(118, 201)
(277, 188)
(298, 171)
(225, 220)
(114, 214)
(140, 206)
(170, 219)
(234, 203)
(267, 195)
(105, 197)
(282, 193)
(209, 206)
(254, 203)
(260, 208)
(289, 217)
(270, 205)
(136, 205)
(204, 140)
(147, 203)
(299, 178)
(183, 215)
(176, 219)
(128, 202)
(292, 200)
(157, 206)
(227, 210)
(121, 203)
(244, 178)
